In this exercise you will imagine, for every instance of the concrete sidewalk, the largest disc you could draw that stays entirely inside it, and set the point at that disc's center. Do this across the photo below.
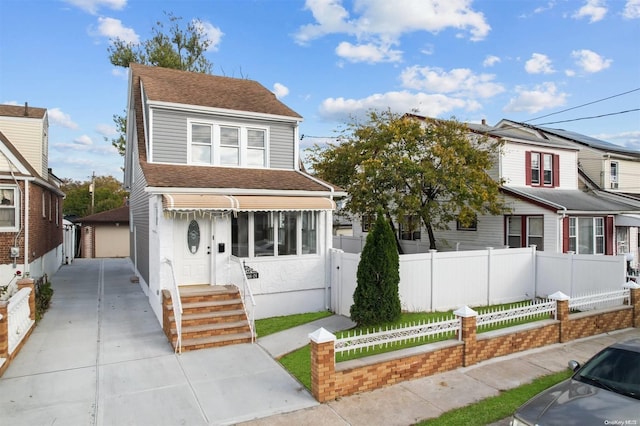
(99, 357)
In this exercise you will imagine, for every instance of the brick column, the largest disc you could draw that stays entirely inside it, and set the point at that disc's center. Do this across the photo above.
(468, 331)
(4, 330)
(634, 290)
(323, 365)
(166, 312)
(29, 283)
(562, 315)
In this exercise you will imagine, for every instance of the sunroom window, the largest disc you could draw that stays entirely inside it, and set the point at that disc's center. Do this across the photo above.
(252, 234)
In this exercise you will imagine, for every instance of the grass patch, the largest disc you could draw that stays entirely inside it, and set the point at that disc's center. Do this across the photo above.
(498, 407)
(298, 363)
(267, 326)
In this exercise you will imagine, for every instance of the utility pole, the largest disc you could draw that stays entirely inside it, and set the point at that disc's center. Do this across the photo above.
(92, 190)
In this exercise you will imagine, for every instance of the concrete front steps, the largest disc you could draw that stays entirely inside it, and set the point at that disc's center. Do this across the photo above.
(211, 316)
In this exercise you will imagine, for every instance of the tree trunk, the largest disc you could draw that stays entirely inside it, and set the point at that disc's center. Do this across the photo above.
(432, 237)
(395, 233)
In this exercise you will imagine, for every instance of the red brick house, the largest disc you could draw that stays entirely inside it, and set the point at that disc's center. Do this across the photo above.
(31, 229)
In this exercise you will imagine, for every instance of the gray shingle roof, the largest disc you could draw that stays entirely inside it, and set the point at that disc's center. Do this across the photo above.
(574, 200)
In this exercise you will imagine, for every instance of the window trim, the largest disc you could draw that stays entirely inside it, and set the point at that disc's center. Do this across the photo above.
(17, 205)
(541, 181)
(573, 225)
(472, 227)
(216, 146)
(614, 178)
(274, 217)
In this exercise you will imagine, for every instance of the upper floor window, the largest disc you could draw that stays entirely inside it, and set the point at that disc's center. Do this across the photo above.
(542, 169)
(614, 175)
(227, 145)
(9, 209)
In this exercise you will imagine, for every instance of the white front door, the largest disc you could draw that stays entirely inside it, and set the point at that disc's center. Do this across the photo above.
(192, 242)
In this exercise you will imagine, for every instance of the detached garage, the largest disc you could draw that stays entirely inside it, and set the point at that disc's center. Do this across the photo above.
(105, 234)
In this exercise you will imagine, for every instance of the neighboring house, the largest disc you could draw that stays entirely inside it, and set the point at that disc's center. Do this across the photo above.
(31, 229)
(105, 234)
(602, 167)
(548, 208)
(212, 166)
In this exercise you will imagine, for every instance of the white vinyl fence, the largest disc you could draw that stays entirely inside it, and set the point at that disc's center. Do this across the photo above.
(439, 281)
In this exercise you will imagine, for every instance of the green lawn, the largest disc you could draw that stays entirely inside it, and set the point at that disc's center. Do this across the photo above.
(267, 326)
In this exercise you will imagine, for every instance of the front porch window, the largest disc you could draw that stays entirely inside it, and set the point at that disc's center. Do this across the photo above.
(252, 234)
(586, 235)
(525, 231)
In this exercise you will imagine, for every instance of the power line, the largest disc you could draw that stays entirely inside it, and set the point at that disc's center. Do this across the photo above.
(583, 105)
(590, 118)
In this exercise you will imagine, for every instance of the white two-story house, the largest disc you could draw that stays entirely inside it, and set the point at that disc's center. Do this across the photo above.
(212, 166)
(548, 207)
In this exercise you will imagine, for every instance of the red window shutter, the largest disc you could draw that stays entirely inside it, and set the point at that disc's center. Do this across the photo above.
(565, 234)
(556, 170)
(608, 235)
(527, 168)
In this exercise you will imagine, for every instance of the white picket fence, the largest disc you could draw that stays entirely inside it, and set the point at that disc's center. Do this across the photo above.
(439, 281)
(365, 340)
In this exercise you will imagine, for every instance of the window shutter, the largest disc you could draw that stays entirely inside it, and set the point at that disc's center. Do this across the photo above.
(556, 170)
(565, 234)
(527, 168)
(608, 235)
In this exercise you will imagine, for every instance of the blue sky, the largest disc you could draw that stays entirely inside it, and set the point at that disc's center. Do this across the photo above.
(330, 60)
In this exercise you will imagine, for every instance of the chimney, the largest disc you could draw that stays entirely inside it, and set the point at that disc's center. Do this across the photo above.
(26, 109)
(484, 122)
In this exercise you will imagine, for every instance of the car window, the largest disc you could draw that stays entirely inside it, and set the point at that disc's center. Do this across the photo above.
(613, 369)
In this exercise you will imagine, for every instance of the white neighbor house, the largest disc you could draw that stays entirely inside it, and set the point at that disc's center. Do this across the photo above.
(212, 166)
(549, 207)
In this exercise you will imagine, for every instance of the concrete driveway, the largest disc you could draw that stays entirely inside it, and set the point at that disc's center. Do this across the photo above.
(99, 357)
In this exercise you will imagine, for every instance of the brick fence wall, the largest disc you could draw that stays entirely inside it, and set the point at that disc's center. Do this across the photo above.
(330, 380)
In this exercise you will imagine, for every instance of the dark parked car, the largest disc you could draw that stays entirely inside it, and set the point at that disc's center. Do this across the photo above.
(604, 391)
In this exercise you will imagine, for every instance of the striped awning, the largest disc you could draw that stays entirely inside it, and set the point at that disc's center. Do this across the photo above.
(212, 202)
(189, 202)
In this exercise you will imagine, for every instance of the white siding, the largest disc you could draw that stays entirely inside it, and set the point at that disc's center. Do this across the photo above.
(26, 134)
(513, 165)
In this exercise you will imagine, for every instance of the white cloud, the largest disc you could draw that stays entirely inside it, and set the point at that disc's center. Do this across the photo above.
(213, 34)
(630, 140)
(113, 28)
(92, 6)
(106, 130)
(569, 73)
(632, 9)
(595, 10)
(369, 52)
(590, 61)
(120, 72)
(539, 64)
(57, 117)
(83, 140)
(381, 23)
(541, 97)
(280, 90)
(341, 109)
(490, 61)
(458, 81)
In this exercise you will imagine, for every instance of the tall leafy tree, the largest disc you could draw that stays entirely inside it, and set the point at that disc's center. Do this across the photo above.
(436, 170)
(376, 299)
(178, 47)
(108, 195)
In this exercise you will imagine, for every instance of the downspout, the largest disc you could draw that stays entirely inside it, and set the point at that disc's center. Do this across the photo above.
(26, 228)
